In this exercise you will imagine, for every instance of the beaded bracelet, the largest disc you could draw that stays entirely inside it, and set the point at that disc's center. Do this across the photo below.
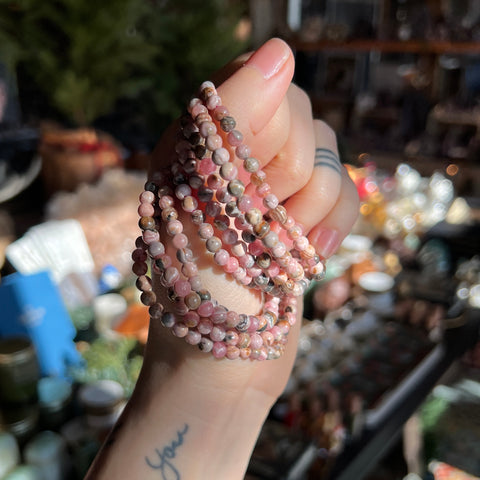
(203, 182)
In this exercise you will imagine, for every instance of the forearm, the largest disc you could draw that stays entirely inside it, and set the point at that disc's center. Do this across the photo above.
(182, 424)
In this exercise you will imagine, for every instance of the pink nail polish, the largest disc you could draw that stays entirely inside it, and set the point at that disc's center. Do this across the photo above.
(325, 241)
(270, 57)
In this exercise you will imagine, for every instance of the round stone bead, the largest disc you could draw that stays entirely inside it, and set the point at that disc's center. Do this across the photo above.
(197, 217)
(238, 249)
(243, 340)
(254, 216)
(192, 300)
(301, 243)
(205, 345)
(223, 195)
(256, 248)
(233, 352)
(221, 257)
(195, 282)
(221, 222)
(232, 319)
(147, 223)
(264, 260)
(180, 240)
(270, 239)
(205, 309)
(171, 275)
(228, 171)
(204, 295)
(245, 353)
(168, 319)
(148, 298)
(261, 229)
(219, 314)
(163, 262)
(139, 268)
(243, 151)
(256, 340)
(146, 210)
(207, 128)
(219, 349)
(205, 231)
(184, 255)
(230, 236)
(245, 203)
(205, 326)
(174, 227)
(232, 265)
(150, 236)
(251, 164)
(213, 102)
(218, 333)
(220, 156)
(155, 249)
(147, 197)
(169, 213)
(270, 201)
(234, 138)
(144, 283)
(207, 88)
(182, 288)
(231, 209)
(258, 177)
(189, 203)
(212, 209)
(236, 188)
(191, 319)
(220, 112)
(165, 201)
(206, 166)
(193, 337)
(180, 330)
(227, 123)
(263, 190)
(231, 337)
(139, 255)
(195, 181)
(214, 181)
(248, 237)
(151, 187)
(181, 191)
(155, 311)
(212, 142)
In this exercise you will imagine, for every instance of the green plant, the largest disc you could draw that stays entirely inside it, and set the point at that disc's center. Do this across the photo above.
(85, 56)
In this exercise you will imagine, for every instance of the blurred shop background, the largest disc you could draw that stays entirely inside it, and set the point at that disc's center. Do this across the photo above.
(387, 380)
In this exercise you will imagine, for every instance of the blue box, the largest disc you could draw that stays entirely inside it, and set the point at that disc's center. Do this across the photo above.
(30, 305)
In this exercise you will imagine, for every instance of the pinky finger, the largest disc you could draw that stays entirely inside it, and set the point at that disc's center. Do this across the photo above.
(327, 235)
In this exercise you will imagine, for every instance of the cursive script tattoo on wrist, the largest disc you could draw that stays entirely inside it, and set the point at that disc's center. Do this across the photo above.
(167, 470)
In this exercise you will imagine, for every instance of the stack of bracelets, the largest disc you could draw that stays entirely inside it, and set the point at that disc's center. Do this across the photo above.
(242, 239)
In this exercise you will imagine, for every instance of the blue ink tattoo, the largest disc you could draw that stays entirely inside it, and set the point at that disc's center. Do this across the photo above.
(325, 157)
(167, 469)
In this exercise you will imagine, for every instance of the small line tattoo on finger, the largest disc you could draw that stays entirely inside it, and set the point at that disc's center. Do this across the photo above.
(327, 158)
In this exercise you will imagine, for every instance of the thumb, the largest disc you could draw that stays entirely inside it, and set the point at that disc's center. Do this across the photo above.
(255, 91)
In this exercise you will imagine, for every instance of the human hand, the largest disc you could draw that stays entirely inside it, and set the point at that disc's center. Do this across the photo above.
(220, 405)
(300, 157)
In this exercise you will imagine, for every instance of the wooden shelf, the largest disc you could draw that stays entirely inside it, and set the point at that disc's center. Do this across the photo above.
(388, 46)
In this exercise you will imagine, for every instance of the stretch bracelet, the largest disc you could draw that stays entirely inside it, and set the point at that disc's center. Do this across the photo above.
(241, 233)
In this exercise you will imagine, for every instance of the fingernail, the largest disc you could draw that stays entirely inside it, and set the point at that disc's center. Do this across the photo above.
(269, 58)
(325, 241)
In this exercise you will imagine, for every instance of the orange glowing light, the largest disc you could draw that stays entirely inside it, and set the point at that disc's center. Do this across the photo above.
(452, 169)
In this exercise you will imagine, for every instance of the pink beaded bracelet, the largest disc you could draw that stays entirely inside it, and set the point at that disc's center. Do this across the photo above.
(241, 238)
